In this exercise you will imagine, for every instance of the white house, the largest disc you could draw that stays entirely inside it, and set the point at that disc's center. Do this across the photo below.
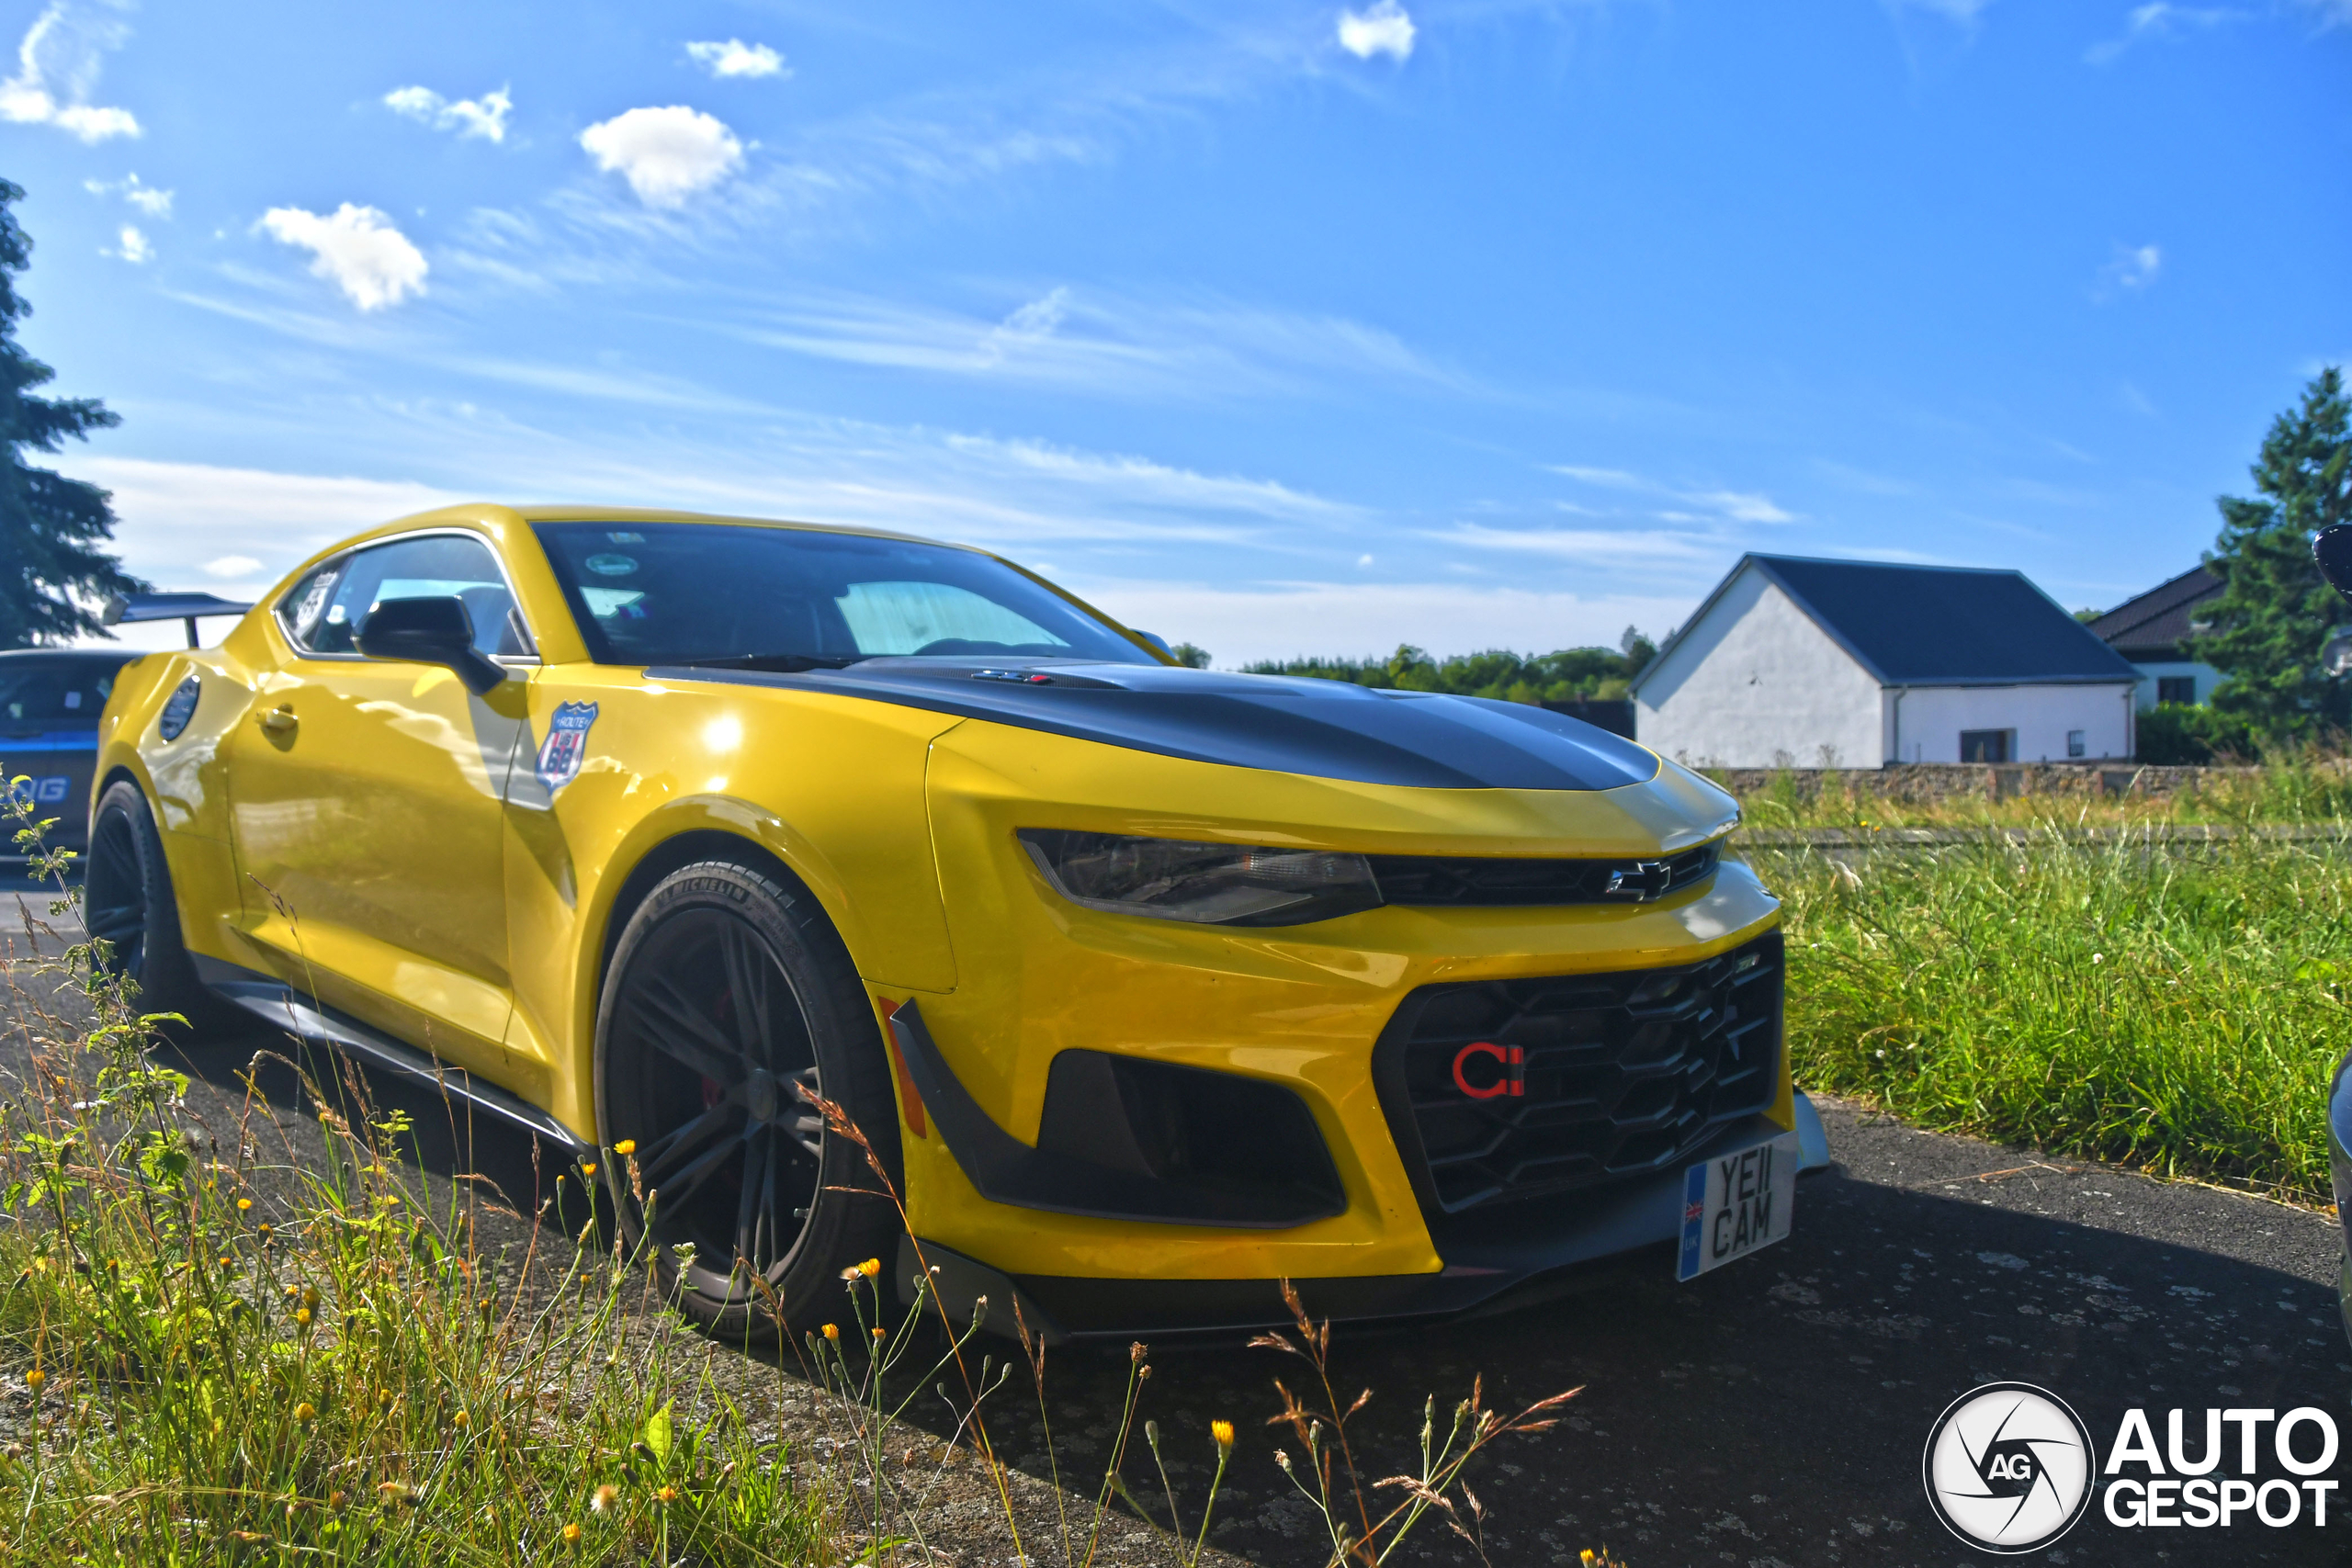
(2153, 631)
(1792, 662)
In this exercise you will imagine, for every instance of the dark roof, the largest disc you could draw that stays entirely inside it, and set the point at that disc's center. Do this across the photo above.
(2153, 627)
(71, 655)
(1934, 626)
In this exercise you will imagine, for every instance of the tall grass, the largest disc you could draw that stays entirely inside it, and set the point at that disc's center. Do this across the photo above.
(2297, 788)
(2181, 1010)
(216, 1352)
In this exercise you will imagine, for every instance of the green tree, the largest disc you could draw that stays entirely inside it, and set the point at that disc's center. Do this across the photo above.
(1191, 656)
(50, 526)
(2275, 613)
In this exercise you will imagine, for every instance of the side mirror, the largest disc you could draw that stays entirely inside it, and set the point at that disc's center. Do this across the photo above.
(429, 631)
(2333, 551)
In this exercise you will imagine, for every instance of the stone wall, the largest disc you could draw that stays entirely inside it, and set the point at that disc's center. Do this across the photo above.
(1925, 783)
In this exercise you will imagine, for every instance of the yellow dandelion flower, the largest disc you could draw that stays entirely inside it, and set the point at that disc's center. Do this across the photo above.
(305, 1410)
(302, 1317)
(667, 1495)
(243, 1203)
(34, 1379)
(870, 1267)
(606, 1498)
(225, 1261)
(626, 1146)
(588, 1168)
(1223, 1432)
(877, 1337)
(334, 1499)
(571, 1535)
(459, 1419)
(833, 1332)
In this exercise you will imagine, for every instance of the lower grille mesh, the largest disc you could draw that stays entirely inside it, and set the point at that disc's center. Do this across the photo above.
(1511, 1090)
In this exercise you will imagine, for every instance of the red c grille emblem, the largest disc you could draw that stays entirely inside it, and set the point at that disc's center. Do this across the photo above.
(1512, 1079)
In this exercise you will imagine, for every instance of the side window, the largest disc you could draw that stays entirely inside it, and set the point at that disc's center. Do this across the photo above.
(328, 609)
(303, 613)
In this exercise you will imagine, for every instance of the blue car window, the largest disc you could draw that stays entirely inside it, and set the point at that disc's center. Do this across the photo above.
(680, 593)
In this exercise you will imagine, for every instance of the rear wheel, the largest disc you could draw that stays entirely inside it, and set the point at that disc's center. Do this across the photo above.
(127, 903)
(727, 995)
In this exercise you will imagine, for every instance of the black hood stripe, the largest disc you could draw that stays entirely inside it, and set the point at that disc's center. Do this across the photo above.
(1321, 729)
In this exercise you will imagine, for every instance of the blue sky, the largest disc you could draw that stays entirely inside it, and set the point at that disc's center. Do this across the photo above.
(1284, 328)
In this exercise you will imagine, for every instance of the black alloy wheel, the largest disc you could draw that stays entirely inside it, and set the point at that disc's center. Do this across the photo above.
(729, 995)
(127, 903)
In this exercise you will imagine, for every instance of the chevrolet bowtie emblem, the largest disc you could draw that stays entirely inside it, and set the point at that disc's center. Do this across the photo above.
(1641, 882)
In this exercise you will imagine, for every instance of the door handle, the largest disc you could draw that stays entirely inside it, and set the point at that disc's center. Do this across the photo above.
(279, 721)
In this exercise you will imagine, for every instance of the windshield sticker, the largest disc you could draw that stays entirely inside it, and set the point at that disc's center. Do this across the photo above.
(626, 538)
(567, 744)
(611, 566)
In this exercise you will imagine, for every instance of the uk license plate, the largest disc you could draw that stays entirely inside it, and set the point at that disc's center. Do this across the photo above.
(1736, 1204)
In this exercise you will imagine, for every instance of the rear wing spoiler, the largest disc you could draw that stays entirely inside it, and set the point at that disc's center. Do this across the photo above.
(124, 609)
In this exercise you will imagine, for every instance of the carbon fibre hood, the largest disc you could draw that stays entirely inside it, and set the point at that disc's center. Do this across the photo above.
(1282, 723)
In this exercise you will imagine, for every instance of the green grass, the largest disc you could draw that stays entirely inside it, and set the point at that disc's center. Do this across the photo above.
(2302, 789)
(2181, 1010)
(212, 1352)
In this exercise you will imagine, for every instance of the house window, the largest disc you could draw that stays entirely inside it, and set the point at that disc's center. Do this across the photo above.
(2181, 689)
(1986, 744)
(2075, 746)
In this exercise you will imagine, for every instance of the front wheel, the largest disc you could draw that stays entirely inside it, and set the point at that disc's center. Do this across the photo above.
(127, 903)
(728, 994)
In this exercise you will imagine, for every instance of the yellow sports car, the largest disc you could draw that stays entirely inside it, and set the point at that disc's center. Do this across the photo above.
(1149, 985)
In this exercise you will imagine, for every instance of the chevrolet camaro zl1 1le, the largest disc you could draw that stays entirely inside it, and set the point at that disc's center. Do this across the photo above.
(1150, 985)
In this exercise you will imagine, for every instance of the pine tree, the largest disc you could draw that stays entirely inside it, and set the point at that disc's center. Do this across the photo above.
(2275, 613)
(50, 526)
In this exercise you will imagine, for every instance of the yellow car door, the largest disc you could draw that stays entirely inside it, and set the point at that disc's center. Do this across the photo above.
(365, 803)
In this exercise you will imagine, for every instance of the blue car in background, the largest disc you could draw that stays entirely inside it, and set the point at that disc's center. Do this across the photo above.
(50, 703)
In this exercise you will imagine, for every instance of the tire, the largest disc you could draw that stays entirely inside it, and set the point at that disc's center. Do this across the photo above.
(127, 901)
(727, 1157)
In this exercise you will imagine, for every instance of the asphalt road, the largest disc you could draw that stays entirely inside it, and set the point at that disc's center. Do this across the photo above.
(1772, 1413)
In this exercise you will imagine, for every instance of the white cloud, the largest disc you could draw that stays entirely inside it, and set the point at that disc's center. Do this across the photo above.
(370, 260)
(1285, 620)
(1384, 28)
(133, 247)
(2162, 19)
(666, 154)
(1592, 546)
(484, 116)
(1032, 324)
(736, 58)
(174, 519)
(146, 197)
(57, 65)
(1727, 505)
(2134, 268)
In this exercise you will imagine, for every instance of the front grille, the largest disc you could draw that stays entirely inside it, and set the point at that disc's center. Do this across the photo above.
(1472, 881)
(1618, 1074)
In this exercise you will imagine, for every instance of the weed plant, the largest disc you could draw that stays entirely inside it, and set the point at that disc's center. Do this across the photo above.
(215, 1351)
(2180, 1008)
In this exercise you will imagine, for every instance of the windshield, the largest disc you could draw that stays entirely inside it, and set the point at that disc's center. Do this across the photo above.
(690, 593)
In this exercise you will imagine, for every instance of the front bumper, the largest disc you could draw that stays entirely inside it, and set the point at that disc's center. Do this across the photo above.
(1642, 1217)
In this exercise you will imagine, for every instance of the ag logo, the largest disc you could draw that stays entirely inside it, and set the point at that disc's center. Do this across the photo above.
(2008, 1467)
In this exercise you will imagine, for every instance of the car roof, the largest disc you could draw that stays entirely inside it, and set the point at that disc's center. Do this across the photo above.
(650, 514)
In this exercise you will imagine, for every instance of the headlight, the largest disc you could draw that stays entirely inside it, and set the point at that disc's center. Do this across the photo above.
(1211, 884)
